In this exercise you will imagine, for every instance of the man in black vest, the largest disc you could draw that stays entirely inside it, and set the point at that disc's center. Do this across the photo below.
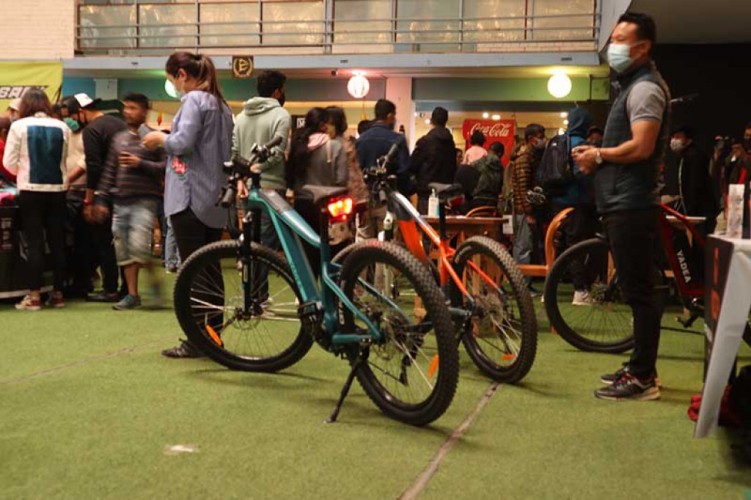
(626, 171)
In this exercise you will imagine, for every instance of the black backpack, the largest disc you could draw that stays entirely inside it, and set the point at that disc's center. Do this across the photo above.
(556, 169)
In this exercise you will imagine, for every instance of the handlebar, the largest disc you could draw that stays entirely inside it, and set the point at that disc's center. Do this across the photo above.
(239, 168)
(380, 180)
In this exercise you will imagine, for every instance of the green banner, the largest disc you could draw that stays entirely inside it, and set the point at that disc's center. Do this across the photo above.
(17, 77)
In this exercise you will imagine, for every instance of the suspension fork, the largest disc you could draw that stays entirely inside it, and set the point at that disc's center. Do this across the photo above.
(250, 270)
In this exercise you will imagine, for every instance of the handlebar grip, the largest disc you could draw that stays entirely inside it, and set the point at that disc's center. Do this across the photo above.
(228, 198)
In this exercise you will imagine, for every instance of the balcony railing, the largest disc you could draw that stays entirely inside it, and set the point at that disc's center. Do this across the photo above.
(128, 27)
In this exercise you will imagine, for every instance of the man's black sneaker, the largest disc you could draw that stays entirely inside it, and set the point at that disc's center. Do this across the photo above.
(630, 387)
(184, 350)
(104, 297)
(610, 378)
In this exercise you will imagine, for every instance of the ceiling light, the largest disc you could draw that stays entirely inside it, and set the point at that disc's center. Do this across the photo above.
(559, 85)
(561, 131)
(564, 114)
(565, 122)
(486, 115)
(358, 86)
(496, 117)
(427, 121)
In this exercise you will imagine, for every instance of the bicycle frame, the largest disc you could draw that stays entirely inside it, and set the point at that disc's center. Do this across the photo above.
(690, 289)
(290, 227)
(411, 224)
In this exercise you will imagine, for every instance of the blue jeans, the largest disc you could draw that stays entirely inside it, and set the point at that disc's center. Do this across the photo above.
(171, 255)
(269, 239)
(523, 241)
(133, 231)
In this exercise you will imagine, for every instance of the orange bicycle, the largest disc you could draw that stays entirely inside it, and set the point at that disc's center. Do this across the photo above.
(485, 291)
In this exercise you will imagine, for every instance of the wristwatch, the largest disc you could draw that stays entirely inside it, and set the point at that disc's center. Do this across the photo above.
(598, 157)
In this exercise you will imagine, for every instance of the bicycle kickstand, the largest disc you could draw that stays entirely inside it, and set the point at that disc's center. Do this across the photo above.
(345, 390)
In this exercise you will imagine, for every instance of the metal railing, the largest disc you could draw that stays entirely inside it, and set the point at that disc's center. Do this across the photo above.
(152, 28)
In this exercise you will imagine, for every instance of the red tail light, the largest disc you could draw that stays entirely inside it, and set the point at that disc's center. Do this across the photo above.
(341, 208)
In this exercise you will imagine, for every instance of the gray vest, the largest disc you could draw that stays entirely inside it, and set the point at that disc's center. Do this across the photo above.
(633, 186)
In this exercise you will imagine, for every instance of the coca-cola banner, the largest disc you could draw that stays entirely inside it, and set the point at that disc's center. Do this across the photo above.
(502, 131)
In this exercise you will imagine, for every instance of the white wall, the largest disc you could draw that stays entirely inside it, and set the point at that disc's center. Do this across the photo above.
(37, 29)
(399, 91)
(611, 11)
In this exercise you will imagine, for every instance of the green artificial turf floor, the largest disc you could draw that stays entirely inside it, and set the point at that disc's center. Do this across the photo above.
(89, 409)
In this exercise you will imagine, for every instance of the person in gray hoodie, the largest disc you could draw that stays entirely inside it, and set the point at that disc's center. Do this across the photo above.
(262, 119)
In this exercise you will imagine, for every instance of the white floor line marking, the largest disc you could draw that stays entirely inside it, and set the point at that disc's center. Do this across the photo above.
(76, 364)
(425, 476)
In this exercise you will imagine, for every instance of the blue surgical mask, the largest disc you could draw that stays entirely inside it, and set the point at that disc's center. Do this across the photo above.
(619, 56)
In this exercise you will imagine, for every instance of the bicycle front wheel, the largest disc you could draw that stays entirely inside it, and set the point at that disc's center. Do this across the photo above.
(412, 372)
(501, 335)
(209, 304)
(584, 302)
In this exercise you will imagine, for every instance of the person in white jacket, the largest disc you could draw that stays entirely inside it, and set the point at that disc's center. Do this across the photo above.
(36, 152)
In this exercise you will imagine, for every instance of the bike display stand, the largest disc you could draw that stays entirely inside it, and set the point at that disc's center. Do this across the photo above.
(727, 305)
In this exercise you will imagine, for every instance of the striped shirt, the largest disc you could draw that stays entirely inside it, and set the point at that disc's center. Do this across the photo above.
(200, 143)
(132, 183)
(36, 151)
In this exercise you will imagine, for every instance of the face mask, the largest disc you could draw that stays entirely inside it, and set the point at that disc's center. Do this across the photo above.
(180, 92)
(72, 124)
(677, 145)
(619, 56)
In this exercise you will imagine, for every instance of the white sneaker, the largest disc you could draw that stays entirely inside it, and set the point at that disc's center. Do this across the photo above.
(581, 298)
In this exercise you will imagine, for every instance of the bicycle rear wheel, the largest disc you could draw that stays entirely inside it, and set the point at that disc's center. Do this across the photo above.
(209, 307)
(412, 373)
(501, 336)
(584, 302)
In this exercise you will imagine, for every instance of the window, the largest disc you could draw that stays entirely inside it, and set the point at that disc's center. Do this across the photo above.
(444, 24)
(352, 17)
(293, 23)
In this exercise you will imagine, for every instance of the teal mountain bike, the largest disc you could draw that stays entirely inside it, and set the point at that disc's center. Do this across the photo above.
(251, 308)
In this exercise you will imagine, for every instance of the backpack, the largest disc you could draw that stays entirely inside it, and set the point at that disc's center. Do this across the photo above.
(555, 170)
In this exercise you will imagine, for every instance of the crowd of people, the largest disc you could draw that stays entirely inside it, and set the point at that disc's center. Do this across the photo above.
(98, 185)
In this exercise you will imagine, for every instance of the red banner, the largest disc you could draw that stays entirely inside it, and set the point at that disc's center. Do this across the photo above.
(502, 131)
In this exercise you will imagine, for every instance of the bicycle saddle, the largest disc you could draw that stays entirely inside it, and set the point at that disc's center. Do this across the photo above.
(323, 193)
(446, 191)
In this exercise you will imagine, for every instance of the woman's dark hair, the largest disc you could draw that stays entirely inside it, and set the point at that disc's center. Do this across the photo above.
(477, 138)
(364, 126)
(338, 119)
(315, 121)
(197, 66)
(34, 101)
